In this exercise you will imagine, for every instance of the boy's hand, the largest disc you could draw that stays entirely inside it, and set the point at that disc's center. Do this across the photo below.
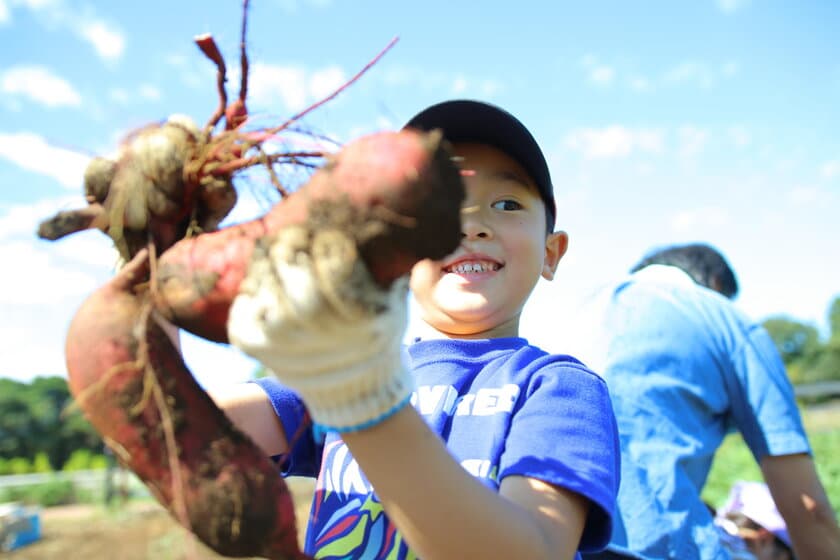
(309, 310)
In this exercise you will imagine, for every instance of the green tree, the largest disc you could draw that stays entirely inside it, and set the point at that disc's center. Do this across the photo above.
(18, 427)
(20, 465)
(796, 341)
(834, 318)
(826, 365)
(41, 464)
(79, 460)
(36, 417)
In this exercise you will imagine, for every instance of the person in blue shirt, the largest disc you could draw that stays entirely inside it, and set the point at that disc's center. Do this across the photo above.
(478, 444)
(684, 368)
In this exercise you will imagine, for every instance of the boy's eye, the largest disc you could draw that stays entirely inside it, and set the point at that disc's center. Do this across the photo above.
(507, 205)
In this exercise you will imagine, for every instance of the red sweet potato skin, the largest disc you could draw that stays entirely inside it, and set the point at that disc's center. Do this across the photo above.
(123, 369)
(398, 193)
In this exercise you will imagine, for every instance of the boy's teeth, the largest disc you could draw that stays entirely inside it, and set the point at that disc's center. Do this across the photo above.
(466, 268)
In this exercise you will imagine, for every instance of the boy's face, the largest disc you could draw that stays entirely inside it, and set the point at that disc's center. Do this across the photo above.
(480, 289)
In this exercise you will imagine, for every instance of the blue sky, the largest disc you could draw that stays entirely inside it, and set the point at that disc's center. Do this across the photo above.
(701, 120)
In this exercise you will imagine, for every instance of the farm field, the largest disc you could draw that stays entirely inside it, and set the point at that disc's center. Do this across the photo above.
(142, 530)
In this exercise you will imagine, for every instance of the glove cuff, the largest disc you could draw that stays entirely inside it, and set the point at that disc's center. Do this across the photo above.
(358, 398)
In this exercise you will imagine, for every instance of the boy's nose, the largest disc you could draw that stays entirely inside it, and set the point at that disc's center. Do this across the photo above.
(473, 225)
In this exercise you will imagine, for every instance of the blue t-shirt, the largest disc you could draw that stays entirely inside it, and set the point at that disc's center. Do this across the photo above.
(684, 368)
(503, 408)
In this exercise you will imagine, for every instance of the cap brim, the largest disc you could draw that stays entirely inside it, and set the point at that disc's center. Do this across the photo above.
(465, 120)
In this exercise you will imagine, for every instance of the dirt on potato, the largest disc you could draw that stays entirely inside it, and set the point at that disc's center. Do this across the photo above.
(137, 530)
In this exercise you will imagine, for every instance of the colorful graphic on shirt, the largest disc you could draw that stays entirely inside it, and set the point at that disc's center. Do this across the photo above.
(357, 526)
(348, 520)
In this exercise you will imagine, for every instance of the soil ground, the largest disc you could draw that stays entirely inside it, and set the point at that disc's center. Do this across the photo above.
(142, 530)
(138, 530)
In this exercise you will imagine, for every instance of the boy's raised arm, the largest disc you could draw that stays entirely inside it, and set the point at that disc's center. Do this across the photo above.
(444, 512)
(249, 408)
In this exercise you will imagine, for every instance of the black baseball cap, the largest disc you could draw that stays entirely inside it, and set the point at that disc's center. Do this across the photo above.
(466, 120)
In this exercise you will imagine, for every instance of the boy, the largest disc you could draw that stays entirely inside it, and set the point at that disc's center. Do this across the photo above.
(507, 452)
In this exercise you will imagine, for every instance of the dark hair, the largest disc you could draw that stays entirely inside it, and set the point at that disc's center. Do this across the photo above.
(703, 263)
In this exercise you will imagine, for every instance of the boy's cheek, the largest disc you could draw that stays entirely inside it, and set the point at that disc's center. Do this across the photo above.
(425, 275)
(422, 274)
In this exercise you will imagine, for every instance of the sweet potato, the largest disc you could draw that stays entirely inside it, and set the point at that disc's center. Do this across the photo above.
(398, 194)
(137, 392)
(145, 194)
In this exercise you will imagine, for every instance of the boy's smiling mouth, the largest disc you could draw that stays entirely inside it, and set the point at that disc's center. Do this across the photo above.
(472, 265)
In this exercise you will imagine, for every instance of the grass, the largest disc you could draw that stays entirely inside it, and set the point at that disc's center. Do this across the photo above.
(734, 461)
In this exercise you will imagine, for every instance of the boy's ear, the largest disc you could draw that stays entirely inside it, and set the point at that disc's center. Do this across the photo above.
(555, 247)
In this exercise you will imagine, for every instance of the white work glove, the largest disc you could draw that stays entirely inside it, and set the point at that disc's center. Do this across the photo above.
(310, 311)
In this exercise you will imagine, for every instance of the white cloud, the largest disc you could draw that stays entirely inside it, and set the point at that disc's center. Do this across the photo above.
(293, 86)
(40, 85)
(640, 84)
(730, 68)
(397, 75)
(740, 136)
(597, 73)
(459, 86)
(108, 42)
(145, 92)
(691, 140)
(433, 81)
(38, 4)
(292, 6)
(191, 73)
(324, 82)
(149, 92)
(697, 73)
(487, 88)
(43, 289)
(269, 83)
(830, 169)
(22, 220)
(33, 153)
(731, 6)
(119, 95)
(39, 278)
(806, 195)
(614, 141)
(588, 60)
(91, 248)
(5, 15)
(709, 216)
(690, 72)
(602, 75)
(700, 74)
